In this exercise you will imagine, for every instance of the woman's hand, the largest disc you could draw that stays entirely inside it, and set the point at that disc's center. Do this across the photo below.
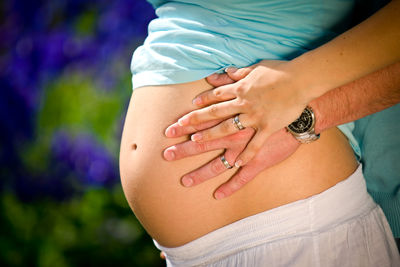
(277, 148)
(267, 99)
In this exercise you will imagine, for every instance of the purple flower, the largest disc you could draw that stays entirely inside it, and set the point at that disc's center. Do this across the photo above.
(85, 157)
(41, 42)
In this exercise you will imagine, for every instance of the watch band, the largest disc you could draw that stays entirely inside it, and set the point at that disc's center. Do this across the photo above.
(309, 135)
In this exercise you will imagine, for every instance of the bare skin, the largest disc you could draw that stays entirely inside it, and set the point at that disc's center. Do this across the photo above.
(349, 102)
(174, 215)
(274, 93)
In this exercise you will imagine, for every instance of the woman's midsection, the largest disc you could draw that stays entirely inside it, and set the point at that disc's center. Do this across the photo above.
(175, 215)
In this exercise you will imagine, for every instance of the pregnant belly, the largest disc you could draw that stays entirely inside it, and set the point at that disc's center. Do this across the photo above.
(174, 215)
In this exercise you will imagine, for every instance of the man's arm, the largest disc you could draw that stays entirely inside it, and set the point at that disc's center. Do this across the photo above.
(365, 96)
(352, 101)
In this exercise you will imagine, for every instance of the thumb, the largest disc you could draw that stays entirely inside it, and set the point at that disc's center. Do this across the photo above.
(238, 74)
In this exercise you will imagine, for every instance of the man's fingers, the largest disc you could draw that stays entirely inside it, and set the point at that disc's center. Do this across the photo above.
(175, 130)
(252, 148)
(210, 170)
(240, 179)
(278, 147)
(218, 79)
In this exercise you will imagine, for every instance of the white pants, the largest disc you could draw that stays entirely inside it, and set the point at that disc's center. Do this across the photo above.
(342, 227)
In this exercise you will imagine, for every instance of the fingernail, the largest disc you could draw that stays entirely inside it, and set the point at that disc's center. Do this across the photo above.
(170, 132)
(183, 121)
(219, 195)
(231, 70)
(187, 181)
(169, 155)
(238, 163)
(197, 101)
(196, 137)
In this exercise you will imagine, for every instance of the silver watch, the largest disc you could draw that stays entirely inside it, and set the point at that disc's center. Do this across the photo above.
(303, 128)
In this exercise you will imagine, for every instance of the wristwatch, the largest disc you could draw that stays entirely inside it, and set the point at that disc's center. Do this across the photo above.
(303, 128)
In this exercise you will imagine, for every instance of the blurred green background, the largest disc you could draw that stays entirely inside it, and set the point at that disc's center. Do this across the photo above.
(65, 86)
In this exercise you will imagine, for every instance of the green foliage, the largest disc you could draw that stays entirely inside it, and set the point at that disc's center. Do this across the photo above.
(74, 102)
(86, 22)
(97, 229)
(74, 57)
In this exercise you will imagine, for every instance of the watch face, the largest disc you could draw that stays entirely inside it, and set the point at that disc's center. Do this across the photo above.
(303, 123)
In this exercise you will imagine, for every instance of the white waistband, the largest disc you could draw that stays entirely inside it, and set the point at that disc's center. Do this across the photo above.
(336, 205)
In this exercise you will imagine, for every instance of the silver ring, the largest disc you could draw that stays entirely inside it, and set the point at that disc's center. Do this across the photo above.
(237, 123)
(225, 162)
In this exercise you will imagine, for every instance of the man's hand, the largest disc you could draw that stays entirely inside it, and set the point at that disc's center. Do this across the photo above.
(277, 148)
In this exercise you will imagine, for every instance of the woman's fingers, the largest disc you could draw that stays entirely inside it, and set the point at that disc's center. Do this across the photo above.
(252, 148)
(215, 95)
(216, 111)
(190, 148)
(226, 127)
(235, 142)
(175, 130)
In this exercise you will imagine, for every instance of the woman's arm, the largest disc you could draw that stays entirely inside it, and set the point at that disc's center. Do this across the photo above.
(274, 94)
(370, 94)
(367, 47)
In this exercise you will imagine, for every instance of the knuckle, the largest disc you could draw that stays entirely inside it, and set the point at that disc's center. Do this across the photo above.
(201, 147)
(258, 115)
(241, 72)
(217, 93)
(193, 118)
(206, 135)
(236, 184)
(213, 110)
(241, 88)
(216, 167)
(244, 104)
(204, 98)
(252, 107)
(253, 120)
(225, 127)
(252, 148)
(241, 181)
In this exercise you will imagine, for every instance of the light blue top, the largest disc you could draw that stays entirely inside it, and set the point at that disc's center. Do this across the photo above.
(192, 39)
(379, 137)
